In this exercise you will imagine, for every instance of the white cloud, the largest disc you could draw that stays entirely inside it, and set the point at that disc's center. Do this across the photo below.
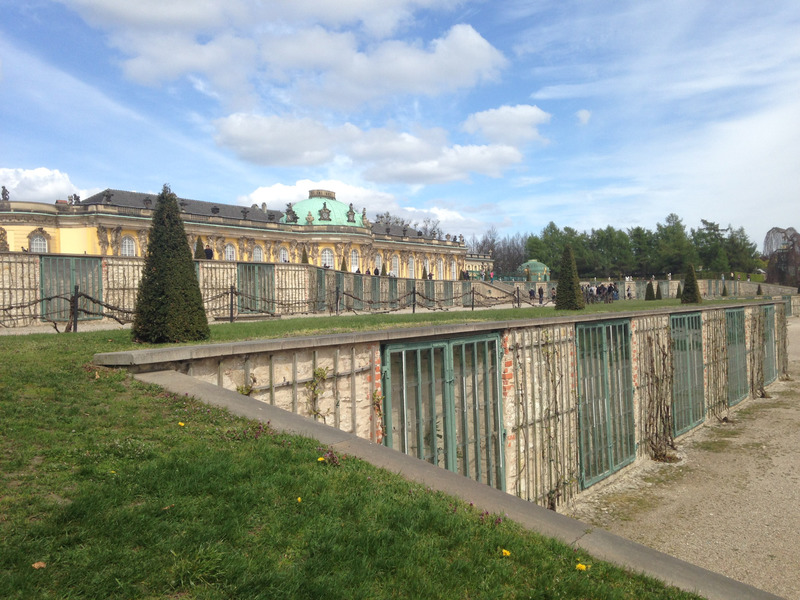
(244, 48)
(269, 140)
(454, 163)
(39, 185)
(385, 155)
(583, 116)
(513, 125)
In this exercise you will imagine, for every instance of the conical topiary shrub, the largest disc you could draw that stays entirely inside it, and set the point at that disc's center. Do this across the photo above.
(724, 289)
(691, 291)
(759, 291)
(344, 265)
(199, 251)
(679, 293)
(169, 306)
(304, 258)
(569, 296)
(424, 272)
(383, 270)
(658, 292)
(649, 294)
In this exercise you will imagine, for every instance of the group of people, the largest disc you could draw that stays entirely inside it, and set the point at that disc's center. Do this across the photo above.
(533, 293)
(600, 293)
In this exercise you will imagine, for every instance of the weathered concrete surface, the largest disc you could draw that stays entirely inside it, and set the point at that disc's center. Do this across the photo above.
(599, 543)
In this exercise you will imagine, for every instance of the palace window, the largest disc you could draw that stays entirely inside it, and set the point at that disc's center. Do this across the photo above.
(230, 252)
(453, 274)
(440, 269)
(283, 255)
(38, 243)
(378, 262)
(128, 246)
(354, 260)
(395, 265)
(327, 258)
(411, 272)
(258, 254)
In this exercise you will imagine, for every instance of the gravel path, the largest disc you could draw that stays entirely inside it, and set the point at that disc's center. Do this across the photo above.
(732, 503)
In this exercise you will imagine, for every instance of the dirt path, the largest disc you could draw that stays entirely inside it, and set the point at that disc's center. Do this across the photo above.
(732, 504)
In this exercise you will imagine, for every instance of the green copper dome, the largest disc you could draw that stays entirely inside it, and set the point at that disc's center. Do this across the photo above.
(538, 271)
(322, 208)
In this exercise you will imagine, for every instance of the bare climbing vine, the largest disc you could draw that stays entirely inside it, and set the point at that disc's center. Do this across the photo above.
(315, 387)
(657, 373)
(757, 336)
(717, 360)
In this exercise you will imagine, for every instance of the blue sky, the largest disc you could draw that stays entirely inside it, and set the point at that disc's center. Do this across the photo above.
(509, 113)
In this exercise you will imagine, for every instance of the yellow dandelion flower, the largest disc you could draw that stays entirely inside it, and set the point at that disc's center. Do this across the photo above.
(321, 459)
(506, 552)
(181, 424)
(582, 567)
(299, 499)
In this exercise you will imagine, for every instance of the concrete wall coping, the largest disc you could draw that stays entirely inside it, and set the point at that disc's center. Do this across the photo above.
(157, 358)
(599, 543)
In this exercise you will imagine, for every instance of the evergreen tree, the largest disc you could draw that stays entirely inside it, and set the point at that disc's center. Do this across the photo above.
(759, 291)
(344, 265)
(658, 292)
(199, 251)
(569, 296)
(383, 270)
(650, 294)
(679, 293)
(304, 258)
(169, 306)
(424, 272)
(691, 290)
(724, 289)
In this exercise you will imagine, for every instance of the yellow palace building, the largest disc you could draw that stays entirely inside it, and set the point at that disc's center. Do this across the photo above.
(320, 230)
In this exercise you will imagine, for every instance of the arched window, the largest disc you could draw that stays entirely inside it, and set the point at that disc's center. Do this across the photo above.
(258, 254)
(327, 258)
(440, 268)
(453, 274)
(411, 272)
(395, 265)
(230, 252)
(427, 266)
(283, 254)
(38, 243)
(354, 261)
(378, 262)
(128, 246)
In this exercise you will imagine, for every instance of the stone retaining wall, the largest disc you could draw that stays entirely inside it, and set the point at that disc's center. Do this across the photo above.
(336, 379)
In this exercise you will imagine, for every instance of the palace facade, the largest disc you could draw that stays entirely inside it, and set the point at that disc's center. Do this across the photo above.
(320, 230)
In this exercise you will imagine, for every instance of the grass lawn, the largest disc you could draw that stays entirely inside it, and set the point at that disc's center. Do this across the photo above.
(110, 488)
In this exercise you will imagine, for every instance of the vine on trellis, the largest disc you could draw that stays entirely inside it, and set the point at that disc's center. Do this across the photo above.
(757, 336)
(657, 376)
(315, 389)
(717, 365)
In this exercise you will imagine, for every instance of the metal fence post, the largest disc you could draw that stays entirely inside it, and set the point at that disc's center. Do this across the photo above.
(231, 303)
(473, 298)
(74, 309)
(414, 298)
(337, 300)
